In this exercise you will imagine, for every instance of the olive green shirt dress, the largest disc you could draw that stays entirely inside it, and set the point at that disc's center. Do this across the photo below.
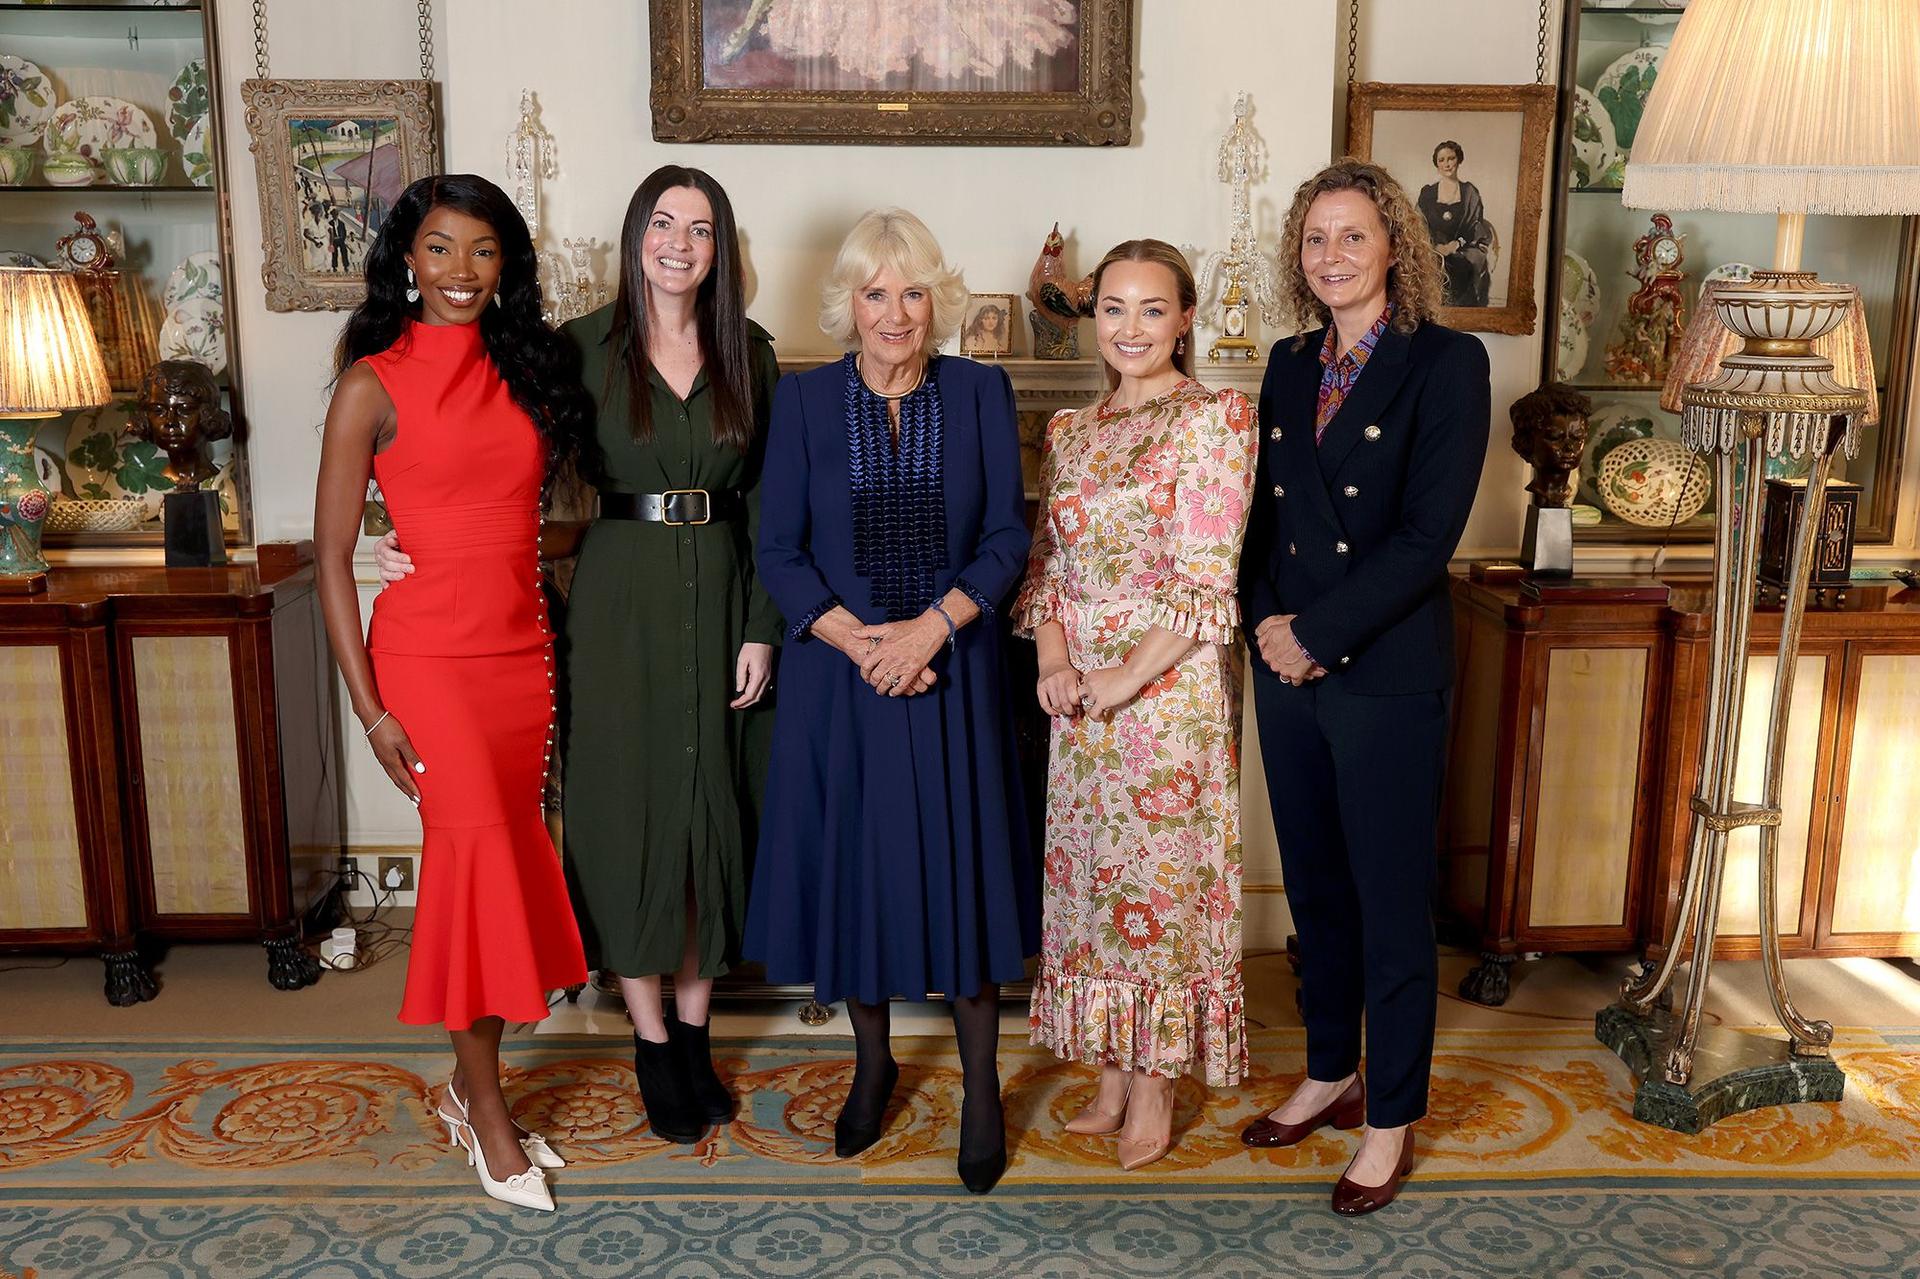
(662, 780)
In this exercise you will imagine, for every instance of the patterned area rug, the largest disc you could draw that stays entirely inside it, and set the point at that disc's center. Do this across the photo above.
(282, 1160)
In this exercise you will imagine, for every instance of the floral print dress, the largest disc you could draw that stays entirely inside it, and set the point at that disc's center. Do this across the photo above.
(1144, 513)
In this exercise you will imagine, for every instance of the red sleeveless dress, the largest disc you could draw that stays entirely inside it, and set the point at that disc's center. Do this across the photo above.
(463, 655)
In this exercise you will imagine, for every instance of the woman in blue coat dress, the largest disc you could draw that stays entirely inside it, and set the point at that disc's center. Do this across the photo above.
(893, 856)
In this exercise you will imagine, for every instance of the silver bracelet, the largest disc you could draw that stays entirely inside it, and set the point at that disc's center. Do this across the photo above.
(377, 723)
(952, 630)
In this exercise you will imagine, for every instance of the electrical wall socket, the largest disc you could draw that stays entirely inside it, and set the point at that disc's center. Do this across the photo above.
(389, 867)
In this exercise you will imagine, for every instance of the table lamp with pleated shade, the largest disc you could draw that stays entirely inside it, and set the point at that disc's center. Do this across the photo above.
(49, 364)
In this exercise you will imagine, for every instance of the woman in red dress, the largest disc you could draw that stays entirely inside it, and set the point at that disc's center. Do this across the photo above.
(455, 395)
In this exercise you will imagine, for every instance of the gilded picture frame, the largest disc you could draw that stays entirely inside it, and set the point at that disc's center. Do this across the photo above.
(772, 71)
(1488, 143)
(331, 157)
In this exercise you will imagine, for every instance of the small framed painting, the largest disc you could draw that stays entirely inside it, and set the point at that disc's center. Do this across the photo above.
(988, 327)
(332, 157)
(1474, 159)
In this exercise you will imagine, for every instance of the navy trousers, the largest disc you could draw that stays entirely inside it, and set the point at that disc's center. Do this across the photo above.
(1355, 787)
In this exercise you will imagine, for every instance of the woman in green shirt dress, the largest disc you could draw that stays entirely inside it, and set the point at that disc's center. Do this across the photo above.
(668, 651)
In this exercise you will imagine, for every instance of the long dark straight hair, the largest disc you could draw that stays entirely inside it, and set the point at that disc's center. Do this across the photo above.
(541, 368)
(720, 310)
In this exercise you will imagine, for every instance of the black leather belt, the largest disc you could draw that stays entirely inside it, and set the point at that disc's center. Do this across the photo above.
(675, 506)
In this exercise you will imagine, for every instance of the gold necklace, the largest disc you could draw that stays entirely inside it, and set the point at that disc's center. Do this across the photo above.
(861, 369)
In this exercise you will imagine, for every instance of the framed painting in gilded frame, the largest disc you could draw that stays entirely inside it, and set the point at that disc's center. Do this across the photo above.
(1473, 158)
(332, 157)
(1011, 72)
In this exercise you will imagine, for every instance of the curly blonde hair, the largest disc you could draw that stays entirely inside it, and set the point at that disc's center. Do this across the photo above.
(894, 238)
(1413, 281)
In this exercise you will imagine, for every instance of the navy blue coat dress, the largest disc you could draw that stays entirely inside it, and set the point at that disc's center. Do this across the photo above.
(893, 856)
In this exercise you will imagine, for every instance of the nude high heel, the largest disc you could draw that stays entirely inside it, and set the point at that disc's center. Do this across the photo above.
(1101, 1123)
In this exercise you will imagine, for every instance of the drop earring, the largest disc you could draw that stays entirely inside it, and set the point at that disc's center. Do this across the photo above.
(496, 299)
(1180, 345)
(413, 290)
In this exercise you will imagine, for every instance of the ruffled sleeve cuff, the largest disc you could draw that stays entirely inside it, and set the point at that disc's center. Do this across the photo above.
(1037, 604)
(802, 628)
(1198, 612)
(978, 596)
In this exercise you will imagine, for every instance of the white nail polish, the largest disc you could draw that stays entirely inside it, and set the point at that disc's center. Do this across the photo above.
(419, 766)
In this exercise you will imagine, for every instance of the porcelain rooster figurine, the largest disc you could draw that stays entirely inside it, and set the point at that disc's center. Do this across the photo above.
(1059, 303)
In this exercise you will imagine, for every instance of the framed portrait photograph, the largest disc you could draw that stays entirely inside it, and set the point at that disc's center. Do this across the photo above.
(987, 328)
(1474, 158)
(332, 157)
(1027, 72)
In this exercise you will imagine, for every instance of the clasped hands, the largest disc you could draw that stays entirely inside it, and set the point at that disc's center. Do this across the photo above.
(1283, 653)
(1097, 694)
(893, 657)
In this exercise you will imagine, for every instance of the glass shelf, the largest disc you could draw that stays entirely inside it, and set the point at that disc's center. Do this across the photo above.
(44, 188)
(99, 22)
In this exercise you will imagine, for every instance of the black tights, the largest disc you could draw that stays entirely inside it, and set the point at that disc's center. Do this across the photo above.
(976, 1027)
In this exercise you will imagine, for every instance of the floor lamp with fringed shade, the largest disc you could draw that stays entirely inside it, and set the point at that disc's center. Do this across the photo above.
(49, 363)
(1787, 107)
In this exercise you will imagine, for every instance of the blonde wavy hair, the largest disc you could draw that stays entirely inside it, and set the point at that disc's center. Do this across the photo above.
(1414, 279)
(894, 238)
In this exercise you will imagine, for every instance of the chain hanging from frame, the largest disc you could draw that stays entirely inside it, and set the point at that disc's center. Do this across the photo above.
(1353, 43)
(424, 9)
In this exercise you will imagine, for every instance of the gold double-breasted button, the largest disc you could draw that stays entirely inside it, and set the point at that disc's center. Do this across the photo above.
(1274, 434)
(1292, 549)
(1351, 491)
(1339, 548)
(1344, 661)
(1279, 491)
(1372, 433)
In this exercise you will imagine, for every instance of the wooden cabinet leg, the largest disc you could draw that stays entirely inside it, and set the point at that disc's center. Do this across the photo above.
(1490, 983)
(129, 980)
(289, 965)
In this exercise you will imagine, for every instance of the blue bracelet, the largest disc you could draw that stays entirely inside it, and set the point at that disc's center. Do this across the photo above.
(952, 630)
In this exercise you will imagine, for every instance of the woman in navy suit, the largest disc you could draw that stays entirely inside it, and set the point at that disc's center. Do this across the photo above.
(893, 857)
(1373, 429)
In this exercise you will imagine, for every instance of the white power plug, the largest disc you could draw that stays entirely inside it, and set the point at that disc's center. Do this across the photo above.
(394, 877)
(340, 949)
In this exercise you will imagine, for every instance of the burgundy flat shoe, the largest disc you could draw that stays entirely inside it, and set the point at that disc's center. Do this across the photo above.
(1351, 1199)
(1348, 1110)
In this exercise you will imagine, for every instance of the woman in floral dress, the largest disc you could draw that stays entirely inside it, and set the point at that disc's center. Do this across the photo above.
(1130, 598)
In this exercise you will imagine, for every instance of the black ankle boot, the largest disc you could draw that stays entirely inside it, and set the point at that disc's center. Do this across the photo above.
(854, 1131)
(665, 1093)
(709, 1096)
(982, 1162)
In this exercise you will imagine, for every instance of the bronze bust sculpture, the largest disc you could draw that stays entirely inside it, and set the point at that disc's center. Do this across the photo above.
(1550, 431)
(178, 410)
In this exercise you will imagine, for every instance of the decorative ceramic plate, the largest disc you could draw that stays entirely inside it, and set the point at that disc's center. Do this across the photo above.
(93, 125)
(1570, 346)
(1610, 426)
(1654, 483)
(195, 328)
(26, 101)
(47, 469)
(14, 257)
(103, 463)
(1738, 272)
(196, 154)
(95, 515)
(1623, 88)
(197, 276)
(187, 100)
(1580, 284)
(1594, 145)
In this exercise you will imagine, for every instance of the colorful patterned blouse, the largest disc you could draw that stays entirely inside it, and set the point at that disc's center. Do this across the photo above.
(1339, 374)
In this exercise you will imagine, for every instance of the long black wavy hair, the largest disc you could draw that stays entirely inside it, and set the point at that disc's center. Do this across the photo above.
(541, 368)
(720, 309)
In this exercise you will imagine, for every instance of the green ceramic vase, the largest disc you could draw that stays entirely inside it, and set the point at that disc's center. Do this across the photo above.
(23, 502)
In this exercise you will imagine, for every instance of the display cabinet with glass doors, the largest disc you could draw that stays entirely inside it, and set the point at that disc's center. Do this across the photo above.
(1622, 280)
(111, 166)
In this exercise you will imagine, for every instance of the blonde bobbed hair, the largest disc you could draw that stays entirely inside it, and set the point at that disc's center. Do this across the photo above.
(1414, 279)
(894, 238)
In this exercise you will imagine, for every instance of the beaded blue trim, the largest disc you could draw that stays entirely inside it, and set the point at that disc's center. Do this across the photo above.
(803, 629)
(977, 595)
(899, 498)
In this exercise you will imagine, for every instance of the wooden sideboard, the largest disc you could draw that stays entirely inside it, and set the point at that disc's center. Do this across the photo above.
(1576, 744)
(170, 763)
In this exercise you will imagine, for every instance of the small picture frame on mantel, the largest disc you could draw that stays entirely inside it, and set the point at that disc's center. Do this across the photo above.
(987, 328)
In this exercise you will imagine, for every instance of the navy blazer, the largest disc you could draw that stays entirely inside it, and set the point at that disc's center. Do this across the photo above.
(1354, 536)
(805, 554)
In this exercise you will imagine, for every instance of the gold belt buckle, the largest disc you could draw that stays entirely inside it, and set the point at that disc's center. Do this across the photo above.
(666, 500)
